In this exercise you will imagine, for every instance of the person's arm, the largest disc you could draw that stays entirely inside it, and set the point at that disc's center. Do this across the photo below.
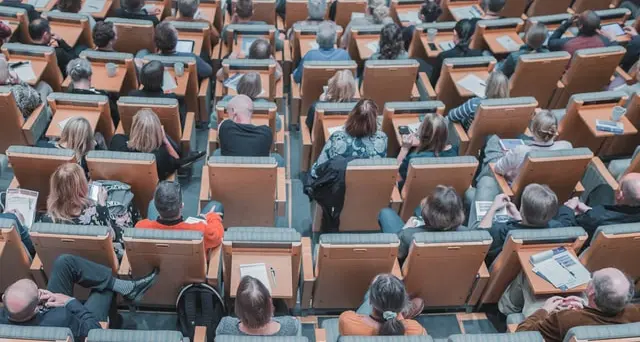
(83, 319)
(498, 203)
(566, 216)
(297, 74)
(545, 320)
(510, 161)
(556, 42)
(204, 69)
(214, 231)
(509, 65)
(325, 154)
(464, 112)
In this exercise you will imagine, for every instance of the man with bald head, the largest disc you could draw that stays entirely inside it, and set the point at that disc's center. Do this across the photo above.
(625, 210)
(608, 296)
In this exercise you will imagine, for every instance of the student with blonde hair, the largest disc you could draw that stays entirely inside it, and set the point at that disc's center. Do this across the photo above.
(497, 88)
(341, 88)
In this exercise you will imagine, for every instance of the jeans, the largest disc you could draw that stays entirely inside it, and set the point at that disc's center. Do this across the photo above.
(152, 212)
(69, 270)
(390, 221)
(365, 308)
(22, 231)
(278, 157)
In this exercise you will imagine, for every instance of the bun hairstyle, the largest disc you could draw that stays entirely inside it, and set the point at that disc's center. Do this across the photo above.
(544, 126)
(388, 297)
(379, 10)
(79, 69)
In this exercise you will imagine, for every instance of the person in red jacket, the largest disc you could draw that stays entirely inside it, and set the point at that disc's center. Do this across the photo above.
(165, 212)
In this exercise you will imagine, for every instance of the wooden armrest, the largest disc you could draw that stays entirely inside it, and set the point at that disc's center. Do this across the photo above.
(281, 191)
(220, 90)
(396, 199)
(286, 52)
(120, 128)
(309, 278)
(306, 144)
(431, 93)
(321, 335)
(203, 100)
(396, 270)
(415, 93)
(214, 266)
(482, 279)
(124, 271)
(602, 170)
(463, 138)
(104, 325)
(188, 133)
(212, 141)
(200, 334)
(28, 124)
(37, 272)
(280, 23)
(625, 76)
(295, 88)
(502, 182)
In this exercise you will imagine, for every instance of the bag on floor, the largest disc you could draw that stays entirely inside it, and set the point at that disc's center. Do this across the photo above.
(199, 305)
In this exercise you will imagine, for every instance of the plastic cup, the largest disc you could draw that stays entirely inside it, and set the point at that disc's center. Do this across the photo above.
(111, 69)
(617, 113)
(179, 69)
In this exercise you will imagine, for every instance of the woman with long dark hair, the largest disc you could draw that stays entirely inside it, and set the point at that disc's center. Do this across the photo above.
(462, 33)
(391, 44)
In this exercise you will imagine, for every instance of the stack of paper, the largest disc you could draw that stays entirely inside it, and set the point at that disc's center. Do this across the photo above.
(24, 71)
(169, 83)
(373, 46)
(508, 43)
(92, 6)
(23, 201)
(560, 268)
(258, 271)
(474, 84)
(482, 207)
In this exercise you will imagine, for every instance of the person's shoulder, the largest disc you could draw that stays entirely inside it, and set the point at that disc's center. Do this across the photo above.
(228, 326)
(349, 317)
(288, 325)
(412, 327)
(562, 144)
(146, 223)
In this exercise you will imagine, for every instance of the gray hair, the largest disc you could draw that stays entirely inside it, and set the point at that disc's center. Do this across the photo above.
(326, 36)
(317, 9)
(79, 69)
(608, 297)
(188, 8)
(168, 199)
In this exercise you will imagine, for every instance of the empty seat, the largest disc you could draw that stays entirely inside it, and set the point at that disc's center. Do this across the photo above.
(452, 258)
(344, 267)
(401, 73)
(17, 333)
(616, 246)
(117, 335)
(594, 333)
(15, 259)
(15, 129)
(44, 62)
(133, 35)
(537, 75)
(73, 28)
(455, 69)
(94, 108)
(526, 336)
(121, 60)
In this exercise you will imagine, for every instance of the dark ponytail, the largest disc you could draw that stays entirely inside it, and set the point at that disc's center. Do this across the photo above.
(464, 29)
(388, 298)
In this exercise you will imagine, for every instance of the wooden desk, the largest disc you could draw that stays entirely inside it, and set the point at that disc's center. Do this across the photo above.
(197, 38)
(362, 41)
(102, 13)
(497, 48)
(181, 81)
(54, 130)
(38, 66)
(458, 75)
(404, 120)
(100, 80)
(439, 38)
(70, 33)
(590, 115)
(207, 12)
(404, 9)
(48, 7)
(540, 286)
(281, 286)
(458, 18)
(330, 122)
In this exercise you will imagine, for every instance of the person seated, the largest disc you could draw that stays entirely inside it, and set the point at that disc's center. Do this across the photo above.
(533, 39)
(538, 210)
(359, 138)
(254, 311)
(340, 88)
(27, 98)
(429, 12)
(259, 49)
(630, 89)
(391, 44)
(5, 33)
(151, 79)
(27, 305)
(608, 294)
(243, 14)
(147, 135)
(69, 201)
(21, 228)
(326, 51)
(588, 24)
(249, 84)
(441, 211)
(497, 88)
(633, 46)
(80, 72)
(73, 6)
(105, 36)
(385, 311)
(40, 33)
(32, 13)
(462, 34)
(166, 39)
(430, 141)
(188, 11)
(316, 12)
(491, 9)
(624, 209)
(165, 212)
(135, 9)
(377, 13)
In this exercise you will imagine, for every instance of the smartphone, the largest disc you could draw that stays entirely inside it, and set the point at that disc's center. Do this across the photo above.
(433, 46)
(94, 191)
(404, 130)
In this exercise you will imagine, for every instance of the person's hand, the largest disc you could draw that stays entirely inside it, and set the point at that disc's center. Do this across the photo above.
(574, 18)
(630, 31)
(410, 140)
(55, 37)
(572, 203)
(513, 212)
(412, 222)
(53, 43)
(500, 201)
(573, 303)
(17, 213)
(44, 296)
(57, 300)
(552, 304)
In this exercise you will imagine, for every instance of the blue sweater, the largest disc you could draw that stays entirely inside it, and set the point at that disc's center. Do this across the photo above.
(333, 54)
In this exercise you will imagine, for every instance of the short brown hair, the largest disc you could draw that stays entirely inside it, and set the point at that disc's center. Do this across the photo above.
(166, 37)
(250, 84)
(433, 134)
(244, 9)
(70, 6)
(443, 210)
(253, 304)
(362, 119)
(539, 204)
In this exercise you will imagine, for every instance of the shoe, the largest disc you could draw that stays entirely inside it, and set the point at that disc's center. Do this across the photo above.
(141, 286)
(415, 307)
(191, 158)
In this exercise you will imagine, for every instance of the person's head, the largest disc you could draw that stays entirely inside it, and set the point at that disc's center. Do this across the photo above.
(70, 6)
(79, 70)
(188, 8)
(378, 10)
(544, 126)
(341, 87)
(539, 204)
(68, 190)
(151, 76)
(463, 31)
(442, 210)
(391, 43)
(497, 86)
(133, 5)
(166, 37)
(104, 35)
(317, 9)
(326, 36)
(430, 11)
(253, 304)
(388, 298)
(168, 200)
(536, 35)
(260, 49)
(40, 31)
(5, 33)
(588, 23)
(493, 6)
(629, 191)
(244, 9)
(146, 131)
(433, 134)
(250, 85)
(609, 291)
(361, 121)
(77, 135)
(240, 109)
(21, 300)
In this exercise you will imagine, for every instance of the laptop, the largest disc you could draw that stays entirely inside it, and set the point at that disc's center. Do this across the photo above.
(184, 46)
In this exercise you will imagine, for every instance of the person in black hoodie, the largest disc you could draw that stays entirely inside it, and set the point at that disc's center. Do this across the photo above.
(79, 70)
(40, 33)
(462, 33)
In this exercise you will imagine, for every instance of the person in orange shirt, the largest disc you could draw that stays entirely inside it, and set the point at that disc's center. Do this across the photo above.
(165, 212)
(386, 310)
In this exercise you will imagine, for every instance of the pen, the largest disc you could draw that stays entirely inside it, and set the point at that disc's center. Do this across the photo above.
(273, 276)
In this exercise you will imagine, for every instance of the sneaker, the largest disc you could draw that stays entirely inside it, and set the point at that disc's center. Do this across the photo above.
(141, 286)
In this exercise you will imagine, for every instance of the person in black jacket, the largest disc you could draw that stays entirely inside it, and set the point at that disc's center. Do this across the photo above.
(31, 11)
(79, 70)
(27, 305)
(135, 9)
(633, 47)
(40, 33)
(462, 33)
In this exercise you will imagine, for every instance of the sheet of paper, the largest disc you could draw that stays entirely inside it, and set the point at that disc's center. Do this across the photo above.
(23, 201)
(192, 220)
(561, 268)
(355, 15)
(25, 72)
(200, 15)
(447, 45)
(63, 123)
(373, 46)
(168, 82)
(508, 43)
(411, 17)
(258, 271)
(482, 207)
(94, 190)
(93, 6)
(466, 12)
(614, 29)
(185, 46)
(38, 3)
(149, 8)
(246, 44)
(313, 45)
(335, 129)
(474, 84)
(510, 144)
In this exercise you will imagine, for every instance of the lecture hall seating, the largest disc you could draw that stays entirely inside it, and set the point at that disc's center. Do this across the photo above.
(15, 260)
(15, 130)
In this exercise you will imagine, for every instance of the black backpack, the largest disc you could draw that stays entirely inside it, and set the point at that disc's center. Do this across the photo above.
(199, 305)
